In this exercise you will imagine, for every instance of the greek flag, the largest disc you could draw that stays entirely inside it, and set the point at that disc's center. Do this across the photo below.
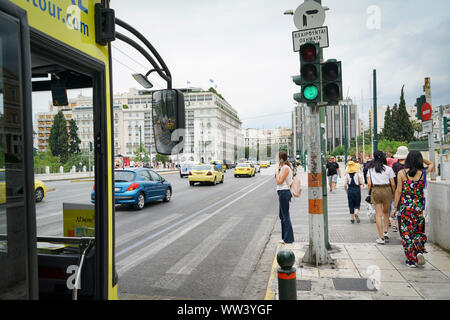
(211, 81)
(188, 83)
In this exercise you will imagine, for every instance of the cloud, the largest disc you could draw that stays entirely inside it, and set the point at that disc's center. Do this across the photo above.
(246, 47)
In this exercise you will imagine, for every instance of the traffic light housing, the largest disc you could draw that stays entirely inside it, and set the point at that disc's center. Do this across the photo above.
(309, 78)
(420, 101)
(331, 75)
(446, 125)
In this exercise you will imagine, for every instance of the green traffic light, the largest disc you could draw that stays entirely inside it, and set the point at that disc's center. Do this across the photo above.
(310, 92)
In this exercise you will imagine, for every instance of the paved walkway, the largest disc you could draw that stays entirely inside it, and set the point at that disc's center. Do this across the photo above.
(357, 258)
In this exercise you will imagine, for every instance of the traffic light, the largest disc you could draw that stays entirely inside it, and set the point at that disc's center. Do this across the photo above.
(419, 103)
(446, 125)
(309, 78)
(331, 75)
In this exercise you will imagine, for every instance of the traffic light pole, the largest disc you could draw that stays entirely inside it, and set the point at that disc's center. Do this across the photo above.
(323, 142)
(317, 253)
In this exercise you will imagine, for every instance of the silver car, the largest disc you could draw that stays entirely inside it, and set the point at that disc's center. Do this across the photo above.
(256, 165)
(185, 168)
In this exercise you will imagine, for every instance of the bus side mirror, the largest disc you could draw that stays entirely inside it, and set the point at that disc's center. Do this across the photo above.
(169, 121)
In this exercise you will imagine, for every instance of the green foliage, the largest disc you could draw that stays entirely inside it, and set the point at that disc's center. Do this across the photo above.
(339, 151)
(214, 91)
(405, 128)
(78, 160)
(74, 140)
(387, 129)
(391, 146)
(46, 159)
(162, 158)
(59, 138)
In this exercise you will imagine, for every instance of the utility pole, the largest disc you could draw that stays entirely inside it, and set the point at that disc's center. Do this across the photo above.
(323, 143)
(375, 119)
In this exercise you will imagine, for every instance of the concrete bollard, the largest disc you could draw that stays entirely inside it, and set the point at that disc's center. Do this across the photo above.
(47, 170)
(287, 277)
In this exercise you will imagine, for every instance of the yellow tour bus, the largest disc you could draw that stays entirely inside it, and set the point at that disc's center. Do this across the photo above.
(55, 49)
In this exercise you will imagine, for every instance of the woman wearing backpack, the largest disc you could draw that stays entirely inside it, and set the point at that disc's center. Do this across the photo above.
(353, 183)
(283, 176)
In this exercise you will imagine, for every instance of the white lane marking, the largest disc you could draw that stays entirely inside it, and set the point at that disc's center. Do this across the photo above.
(176, 275)
(152, 249)
(135, 233)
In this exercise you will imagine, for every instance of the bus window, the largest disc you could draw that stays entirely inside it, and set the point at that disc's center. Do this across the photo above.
(13, 246)
(64, 164)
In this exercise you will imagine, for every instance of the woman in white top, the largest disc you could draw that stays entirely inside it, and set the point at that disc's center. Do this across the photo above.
(283, 176)
(381, 184)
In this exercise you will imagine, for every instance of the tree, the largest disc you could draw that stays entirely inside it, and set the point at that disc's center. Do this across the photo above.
(162, 158)
(417, 126)
(74, 140)
(214, 91)
(59, 138)
(395, 133)
(405, 128)
(387, 129)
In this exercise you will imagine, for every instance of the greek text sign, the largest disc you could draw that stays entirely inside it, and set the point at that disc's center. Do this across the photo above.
(318, 35)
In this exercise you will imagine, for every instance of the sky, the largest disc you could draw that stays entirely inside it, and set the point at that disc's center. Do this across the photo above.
(245, 46)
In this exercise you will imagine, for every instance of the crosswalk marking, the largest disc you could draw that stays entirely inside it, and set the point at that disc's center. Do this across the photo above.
(178, 273)
(246, 263)
(136, 233)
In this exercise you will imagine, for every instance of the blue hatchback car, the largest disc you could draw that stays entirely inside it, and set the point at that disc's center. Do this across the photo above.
(138, 186)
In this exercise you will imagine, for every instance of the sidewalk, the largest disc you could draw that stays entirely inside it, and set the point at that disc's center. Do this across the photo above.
(367, 272)
(85, 175)
(357, 258)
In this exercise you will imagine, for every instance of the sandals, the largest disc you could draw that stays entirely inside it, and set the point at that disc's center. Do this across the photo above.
(394, 229)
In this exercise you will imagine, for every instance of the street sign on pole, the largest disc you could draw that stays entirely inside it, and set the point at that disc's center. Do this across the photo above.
(318, 35)
(308, 15)
(426, 111)
(427, 126)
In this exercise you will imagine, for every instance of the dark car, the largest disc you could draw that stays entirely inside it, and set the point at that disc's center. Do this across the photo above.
(138, 186)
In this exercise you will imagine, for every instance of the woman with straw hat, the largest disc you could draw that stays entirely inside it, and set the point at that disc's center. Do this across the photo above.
(353, 183)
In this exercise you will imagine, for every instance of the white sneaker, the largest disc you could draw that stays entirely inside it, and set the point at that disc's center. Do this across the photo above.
(412, 265)
(420, 259)
(379, 241)
(281, 242)
(386, 236)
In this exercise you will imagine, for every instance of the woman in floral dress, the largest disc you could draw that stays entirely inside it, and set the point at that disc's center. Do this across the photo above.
(410, 191)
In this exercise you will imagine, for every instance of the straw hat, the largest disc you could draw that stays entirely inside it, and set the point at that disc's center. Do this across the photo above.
(402, 153)
(353, 167)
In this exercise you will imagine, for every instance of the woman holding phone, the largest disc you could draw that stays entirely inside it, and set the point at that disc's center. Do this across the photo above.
(283, 176)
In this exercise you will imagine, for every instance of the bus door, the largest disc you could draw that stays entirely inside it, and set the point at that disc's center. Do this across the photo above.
(18, 263)
(62, 111)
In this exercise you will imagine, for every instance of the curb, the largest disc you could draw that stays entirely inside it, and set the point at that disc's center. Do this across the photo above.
(270, 294)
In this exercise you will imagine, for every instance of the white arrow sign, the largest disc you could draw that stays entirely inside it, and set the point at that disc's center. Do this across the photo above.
(309, 15)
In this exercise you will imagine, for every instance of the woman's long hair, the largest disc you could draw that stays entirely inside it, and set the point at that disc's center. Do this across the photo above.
(378, 162)
(283, 156)
(414, 162)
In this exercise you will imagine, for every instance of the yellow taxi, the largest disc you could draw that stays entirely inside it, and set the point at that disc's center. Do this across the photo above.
(40, 190)
(219, 164)
(264, 164)
(244, 169)
(205, 173)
